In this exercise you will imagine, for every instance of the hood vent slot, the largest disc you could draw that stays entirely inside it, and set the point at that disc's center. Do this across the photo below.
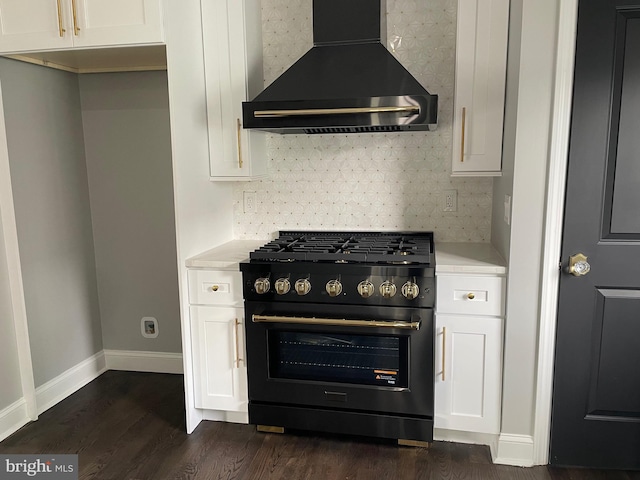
(347, 83)
(391, 128)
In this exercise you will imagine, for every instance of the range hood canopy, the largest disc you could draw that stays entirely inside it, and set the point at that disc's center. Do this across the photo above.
(347, 83)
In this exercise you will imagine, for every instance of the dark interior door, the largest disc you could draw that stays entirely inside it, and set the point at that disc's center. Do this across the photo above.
(596, 400)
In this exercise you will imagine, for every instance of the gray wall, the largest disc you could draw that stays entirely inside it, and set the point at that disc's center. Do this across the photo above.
(49, 179)
(500, 231)
(11, 390)
(128, 151)
(533, 114)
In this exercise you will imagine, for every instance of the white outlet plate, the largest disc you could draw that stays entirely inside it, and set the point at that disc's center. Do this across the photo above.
(250, 202)
(507, 209)
(450, 200)
(149, 327)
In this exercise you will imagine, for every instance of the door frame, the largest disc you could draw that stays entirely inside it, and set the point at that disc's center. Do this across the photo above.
(12, 252)
(553, 228)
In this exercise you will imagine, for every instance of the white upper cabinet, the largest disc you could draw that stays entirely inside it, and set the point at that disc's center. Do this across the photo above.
(481, 59)
(39, 25)
(233, 68)
(118, 22)
(34, 25)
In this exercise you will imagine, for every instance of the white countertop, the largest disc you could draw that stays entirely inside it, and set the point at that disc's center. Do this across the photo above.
(226, 256)
(479, 258)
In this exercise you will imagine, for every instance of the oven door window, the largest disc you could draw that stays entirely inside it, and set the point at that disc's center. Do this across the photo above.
(354, 359)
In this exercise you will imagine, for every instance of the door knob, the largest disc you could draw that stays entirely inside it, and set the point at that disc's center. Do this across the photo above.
(578, 265)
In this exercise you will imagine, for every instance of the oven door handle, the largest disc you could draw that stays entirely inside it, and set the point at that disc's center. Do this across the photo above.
(338, 322)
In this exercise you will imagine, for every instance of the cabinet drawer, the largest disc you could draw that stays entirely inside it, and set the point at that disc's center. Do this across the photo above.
(475, 295)
(212, 287)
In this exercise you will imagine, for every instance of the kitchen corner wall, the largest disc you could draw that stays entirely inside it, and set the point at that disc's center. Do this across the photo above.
(368, 181)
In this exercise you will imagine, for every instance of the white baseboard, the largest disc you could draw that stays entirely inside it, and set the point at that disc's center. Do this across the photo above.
(12, 418)
(515, 450)
(138, 361)
(69, 382)
(445, 435)
(220, 416)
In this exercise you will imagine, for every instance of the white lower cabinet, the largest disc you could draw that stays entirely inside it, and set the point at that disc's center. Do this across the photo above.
(220, 373)
(217, 340)
(468, 363)
(468, 373)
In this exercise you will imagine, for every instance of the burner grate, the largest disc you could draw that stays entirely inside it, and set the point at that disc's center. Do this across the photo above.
(354, 247)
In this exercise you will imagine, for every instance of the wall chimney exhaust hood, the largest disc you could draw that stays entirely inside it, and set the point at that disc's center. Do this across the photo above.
(347, 83)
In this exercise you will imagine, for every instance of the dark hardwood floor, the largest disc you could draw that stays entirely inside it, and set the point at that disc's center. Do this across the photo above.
(127, 426)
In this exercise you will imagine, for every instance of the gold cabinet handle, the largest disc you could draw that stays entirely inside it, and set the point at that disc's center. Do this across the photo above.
(464, 127)
(471, 295)
(76, 28)
(214, 288)
(444, 346)
(239, 135)
(61, 29)
(238, 359)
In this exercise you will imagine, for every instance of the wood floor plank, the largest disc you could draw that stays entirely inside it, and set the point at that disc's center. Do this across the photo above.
(131, 426)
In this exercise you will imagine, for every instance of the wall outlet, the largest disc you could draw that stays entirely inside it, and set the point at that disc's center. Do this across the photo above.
(507, 209)
(149, 327)
(450, 200)
(250, 202)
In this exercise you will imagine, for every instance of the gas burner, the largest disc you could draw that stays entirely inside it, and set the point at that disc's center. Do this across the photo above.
(390, 248)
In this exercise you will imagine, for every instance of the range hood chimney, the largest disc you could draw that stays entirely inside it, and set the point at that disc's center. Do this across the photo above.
(347, 83)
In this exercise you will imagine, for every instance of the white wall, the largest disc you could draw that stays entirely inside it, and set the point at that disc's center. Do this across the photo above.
(500, 230)
(125, 118)
(10, 380)
(531, 110)
(377, 181)
(204, 209)
(49, 181)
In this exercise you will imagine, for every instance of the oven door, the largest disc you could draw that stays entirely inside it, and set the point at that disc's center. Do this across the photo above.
(369, 359)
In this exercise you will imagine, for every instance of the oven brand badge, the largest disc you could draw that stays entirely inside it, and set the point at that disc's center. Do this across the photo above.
(386, 376)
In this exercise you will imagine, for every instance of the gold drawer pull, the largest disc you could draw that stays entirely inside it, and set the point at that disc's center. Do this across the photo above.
(239, 138)
(471, 295)
(464, 125)
(444, 343)
(214, 288)
(238, 359)
(61, 29)
(76, 28)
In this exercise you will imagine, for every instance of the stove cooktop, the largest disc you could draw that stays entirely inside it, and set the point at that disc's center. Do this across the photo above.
(396, 248)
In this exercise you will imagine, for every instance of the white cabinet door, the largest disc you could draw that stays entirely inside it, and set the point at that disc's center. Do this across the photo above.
(233, 69)
(35, 25)
(40, 25)
(220, 374)
(481, 58)
(468, 373)
(117, 22)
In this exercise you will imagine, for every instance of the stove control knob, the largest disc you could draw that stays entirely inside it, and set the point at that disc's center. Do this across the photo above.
(302, 286)
(334, 288)
(262, 286)
(387, 289)
(282, 286)
(410, 290)
(366, 289)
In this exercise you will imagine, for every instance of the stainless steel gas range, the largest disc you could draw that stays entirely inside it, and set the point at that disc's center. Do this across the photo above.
(340, 333)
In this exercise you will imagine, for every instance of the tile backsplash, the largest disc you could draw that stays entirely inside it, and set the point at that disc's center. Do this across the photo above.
(389, 181)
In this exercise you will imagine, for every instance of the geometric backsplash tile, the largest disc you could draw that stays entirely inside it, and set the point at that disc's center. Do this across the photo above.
(389, 181)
